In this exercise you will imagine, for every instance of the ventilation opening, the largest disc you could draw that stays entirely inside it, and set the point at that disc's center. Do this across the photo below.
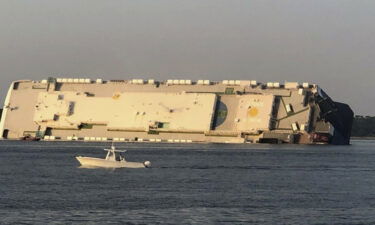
(163, 125)
(5, 133)
(48, 131)
(56, 117)
(58, 86)
(269, 141)
(16, 85)
(229, 91)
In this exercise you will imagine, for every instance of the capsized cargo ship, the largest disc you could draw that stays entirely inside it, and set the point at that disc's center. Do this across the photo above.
(175, 111)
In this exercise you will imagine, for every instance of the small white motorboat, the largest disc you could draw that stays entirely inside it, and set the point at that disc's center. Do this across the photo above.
(114, 159)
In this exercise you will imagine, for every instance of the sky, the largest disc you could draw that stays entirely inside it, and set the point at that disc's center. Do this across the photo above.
(327, 42)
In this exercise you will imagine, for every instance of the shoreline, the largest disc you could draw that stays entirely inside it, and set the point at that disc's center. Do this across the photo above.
(362, 138)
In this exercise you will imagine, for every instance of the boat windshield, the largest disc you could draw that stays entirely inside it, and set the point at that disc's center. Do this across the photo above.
(111, 155)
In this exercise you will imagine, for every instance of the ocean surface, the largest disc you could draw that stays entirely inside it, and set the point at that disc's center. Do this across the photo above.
(41, 183)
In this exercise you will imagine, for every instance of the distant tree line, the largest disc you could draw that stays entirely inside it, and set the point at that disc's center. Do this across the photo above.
(363, 126)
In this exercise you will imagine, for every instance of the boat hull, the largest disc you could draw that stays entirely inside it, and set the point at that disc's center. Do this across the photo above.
(96, 162)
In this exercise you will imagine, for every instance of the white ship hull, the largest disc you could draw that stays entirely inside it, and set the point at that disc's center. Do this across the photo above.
(174, 111)
(97, 162)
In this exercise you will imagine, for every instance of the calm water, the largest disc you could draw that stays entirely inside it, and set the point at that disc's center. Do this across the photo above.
(40, 183)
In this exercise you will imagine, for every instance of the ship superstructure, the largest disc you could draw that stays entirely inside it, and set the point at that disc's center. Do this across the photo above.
(182, 111)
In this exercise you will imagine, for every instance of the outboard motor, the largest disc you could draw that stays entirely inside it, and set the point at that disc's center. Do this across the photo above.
(147, 164)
